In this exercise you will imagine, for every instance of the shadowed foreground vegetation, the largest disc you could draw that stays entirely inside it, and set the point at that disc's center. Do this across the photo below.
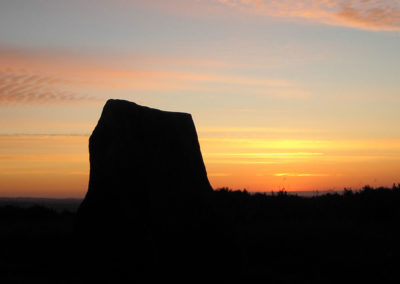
(283, 238)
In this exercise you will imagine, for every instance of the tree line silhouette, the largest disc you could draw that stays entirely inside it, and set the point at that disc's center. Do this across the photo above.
(285, 238)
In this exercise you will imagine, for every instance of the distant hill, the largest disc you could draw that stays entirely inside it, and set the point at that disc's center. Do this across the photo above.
(57, 204)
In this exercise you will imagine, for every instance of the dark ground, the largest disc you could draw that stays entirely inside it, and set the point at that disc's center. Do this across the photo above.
(331, 238)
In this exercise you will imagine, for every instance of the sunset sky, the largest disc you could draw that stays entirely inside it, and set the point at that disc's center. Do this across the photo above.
(300, 95)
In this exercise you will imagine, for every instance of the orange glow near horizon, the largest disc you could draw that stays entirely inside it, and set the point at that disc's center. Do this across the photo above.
(43, 165)
(58, 165)
(295, 95)
(298, 165)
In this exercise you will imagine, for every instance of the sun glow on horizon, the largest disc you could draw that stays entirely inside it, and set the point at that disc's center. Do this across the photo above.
(58, 165)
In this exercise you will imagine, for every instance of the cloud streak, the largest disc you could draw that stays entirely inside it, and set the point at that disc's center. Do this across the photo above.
(28, 77)
(25, 87)
(379, 15)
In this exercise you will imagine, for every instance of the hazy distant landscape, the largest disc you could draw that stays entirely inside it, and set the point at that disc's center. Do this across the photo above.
(57, 204)
(72, 204)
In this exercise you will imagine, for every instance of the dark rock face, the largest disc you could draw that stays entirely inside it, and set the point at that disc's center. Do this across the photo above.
(148, 184)
(142, 159)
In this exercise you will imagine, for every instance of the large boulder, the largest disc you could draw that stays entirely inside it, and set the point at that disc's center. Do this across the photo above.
(148, 185)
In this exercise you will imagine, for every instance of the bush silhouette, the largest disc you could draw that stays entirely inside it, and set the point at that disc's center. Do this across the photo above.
(281, 237)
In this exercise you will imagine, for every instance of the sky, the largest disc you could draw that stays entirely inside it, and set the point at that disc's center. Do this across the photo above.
(294, 95)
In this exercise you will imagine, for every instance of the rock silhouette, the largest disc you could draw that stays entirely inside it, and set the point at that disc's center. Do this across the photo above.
(140, 153)
(147, 190)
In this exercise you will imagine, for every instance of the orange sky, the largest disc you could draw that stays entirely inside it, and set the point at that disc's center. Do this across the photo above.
(58, 165)
(300, 95)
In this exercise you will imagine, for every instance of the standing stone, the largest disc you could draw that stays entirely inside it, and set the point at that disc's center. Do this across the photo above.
(147, 186)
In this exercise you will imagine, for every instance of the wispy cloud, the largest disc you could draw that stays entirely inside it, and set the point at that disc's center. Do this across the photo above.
(28, 77)
(299, 175)
(25, 87)
(364, 14)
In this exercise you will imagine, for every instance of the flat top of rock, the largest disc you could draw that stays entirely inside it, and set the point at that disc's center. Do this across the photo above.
(117, 105)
